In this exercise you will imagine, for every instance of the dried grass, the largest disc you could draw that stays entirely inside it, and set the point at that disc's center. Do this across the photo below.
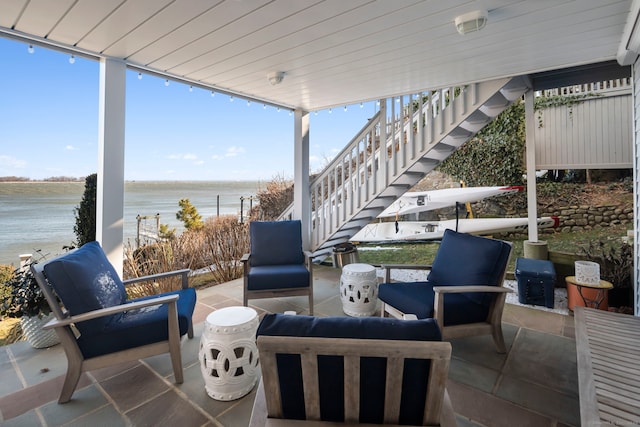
(217, 247)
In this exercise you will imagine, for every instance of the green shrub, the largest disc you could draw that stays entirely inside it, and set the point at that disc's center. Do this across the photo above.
(189, 215)
(85, 213)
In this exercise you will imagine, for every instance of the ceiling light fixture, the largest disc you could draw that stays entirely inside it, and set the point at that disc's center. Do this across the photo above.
(472, 21)
(275, 77)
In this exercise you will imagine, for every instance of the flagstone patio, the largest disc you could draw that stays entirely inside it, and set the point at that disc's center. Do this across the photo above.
(534, 384)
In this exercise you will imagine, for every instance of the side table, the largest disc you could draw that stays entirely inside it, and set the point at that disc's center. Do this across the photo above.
(228, 353)
(593, 296)
(359, 289)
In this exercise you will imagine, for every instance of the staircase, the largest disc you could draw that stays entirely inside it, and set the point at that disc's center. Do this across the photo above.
(418, 133)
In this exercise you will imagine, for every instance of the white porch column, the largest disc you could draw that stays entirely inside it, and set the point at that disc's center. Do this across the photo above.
(110, 192)
(301, 196)
(532, 207)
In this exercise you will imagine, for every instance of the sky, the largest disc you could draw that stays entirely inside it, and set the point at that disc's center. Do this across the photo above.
(49, 125)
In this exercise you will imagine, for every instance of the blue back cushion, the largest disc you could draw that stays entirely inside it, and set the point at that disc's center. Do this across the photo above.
(276, 242)
(85, 280)
(465, 259)
(331, 368)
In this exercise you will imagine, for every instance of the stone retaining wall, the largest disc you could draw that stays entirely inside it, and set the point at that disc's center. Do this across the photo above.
(580, 218)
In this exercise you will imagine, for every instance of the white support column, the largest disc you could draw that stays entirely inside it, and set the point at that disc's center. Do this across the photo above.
(532, 207)
(110, 192)
(301, 196)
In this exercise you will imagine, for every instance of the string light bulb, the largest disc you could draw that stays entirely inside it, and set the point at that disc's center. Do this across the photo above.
(166, 82)
(30, 49)
(213, 94)
(361, 105)
(139, 76)
(231, 99)
(190, 88)
(72, 59)
(345, 108)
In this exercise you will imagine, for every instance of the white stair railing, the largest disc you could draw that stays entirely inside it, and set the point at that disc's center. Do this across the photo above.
(417, 133)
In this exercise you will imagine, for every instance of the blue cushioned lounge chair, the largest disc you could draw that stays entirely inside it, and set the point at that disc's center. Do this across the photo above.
(337, 371)
(98, 326)
(464, 291)
(277, 266)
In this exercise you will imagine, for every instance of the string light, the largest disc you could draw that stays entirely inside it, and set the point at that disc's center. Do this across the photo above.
(231, 99)
(248, 103)
(72, 59)
(213, 94)
(345, 108)
(190, 88)
(139, 76)
(361, 105)
(329, 110)
(166, 82)
(30, 49)
(264, 106)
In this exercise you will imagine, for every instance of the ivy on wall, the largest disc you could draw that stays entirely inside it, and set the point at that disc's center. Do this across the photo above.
(496, 155)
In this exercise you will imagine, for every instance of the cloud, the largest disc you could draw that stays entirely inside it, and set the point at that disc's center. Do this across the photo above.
(70, 148)
(233, 151)
(12, 162)
(187, 156)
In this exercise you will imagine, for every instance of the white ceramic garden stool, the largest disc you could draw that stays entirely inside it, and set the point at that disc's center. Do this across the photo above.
(359, 289)
(228, 354)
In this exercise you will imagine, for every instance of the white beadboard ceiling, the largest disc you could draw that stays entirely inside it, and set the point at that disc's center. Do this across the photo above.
(334, 52)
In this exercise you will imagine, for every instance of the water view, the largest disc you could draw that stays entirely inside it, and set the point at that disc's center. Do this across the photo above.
(40, 215)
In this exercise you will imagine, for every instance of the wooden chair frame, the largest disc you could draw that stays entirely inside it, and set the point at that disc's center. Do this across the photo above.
(267, 408)
(275, 293)
(493, 323)
(77, 364)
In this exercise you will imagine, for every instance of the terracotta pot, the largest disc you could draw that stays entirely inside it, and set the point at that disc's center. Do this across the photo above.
(575, 300)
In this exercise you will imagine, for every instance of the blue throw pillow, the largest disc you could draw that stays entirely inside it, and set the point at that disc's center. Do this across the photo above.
(85, 280)
(276, 242)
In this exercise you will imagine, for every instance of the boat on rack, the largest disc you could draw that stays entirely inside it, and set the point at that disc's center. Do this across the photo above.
(434, 230)
(421, 201)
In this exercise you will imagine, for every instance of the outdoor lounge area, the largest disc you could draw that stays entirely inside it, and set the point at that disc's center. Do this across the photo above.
(534, 384)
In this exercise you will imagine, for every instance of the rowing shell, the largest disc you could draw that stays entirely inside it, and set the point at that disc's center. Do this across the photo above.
(434, 230)
(420, 201)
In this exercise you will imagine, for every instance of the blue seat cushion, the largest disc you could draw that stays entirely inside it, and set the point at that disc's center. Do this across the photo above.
(276, 242)
(418, 298)
(278, 277)
(331, 368)
(85, 280)
(465, 259)
(138, 327)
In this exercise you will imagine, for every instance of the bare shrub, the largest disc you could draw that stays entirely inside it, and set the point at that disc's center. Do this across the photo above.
(217, 247)
(274, 199)
(147, 260)
(226, 240)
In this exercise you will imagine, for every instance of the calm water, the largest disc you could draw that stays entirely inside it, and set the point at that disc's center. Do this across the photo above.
(40, 216)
